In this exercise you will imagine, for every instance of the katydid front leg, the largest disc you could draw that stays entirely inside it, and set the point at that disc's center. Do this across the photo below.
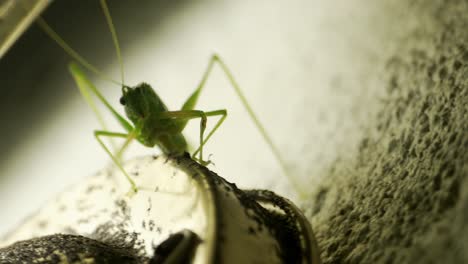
(101, 133)
(87, 90)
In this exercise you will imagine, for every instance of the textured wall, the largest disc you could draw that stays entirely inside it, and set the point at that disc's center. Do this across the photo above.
(403, 198)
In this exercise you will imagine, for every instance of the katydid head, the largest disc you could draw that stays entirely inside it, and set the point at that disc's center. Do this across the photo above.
(141, 102)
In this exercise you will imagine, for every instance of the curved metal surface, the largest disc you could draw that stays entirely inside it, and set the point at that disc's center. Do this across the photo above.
(176, 193)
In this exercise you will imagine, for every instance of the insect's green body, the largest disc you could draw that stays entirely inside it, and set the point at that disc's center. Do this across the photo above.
(143, 106)
(153, 124)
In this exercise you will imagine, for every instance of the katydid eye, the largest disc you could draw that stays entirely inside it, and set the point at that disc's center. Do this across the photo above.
(122, 101)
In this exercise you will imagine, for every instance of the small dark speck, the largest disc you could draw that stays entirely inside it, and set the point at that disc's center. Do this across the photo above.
(150, 205)
(155, 157)
(437, 182)
(443, 73)
(42, 224)
(136, 173)
(121, 204)
(251, 231)
(363, 144)
(92, 188)
(465, 56)
(442, 59)
(348, 232)
(62, 208)
(158, 230)
(446, 118)
(431, 70)
(364, 218)
(82, 221)
(457, 65)
(332, 248)
(392, 145)
(259, 227)
(143, 224)
(156, 189)
(425, 129)
(452, 138)
(151, 225)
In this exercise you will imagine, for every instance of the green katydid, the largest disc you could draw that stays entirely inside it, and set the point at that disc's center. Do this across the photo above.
(150, 122)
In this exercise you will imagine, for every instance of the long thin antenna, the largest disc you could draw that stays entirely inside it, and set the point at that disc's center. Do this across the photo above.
(105, 9)
(70, 51)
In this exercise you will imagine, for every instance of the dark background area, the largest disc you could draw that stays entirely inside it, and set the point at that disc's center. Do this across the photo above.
(29, 70)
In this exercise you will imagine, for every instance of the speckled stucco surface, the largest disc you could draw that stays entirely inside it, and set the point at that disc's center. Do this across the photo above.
(62, 248)
(403, 197)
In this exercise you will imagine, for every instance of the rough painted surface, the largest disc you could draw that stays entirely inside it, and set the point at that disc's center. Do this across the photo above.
(62, 248)
(403, 198)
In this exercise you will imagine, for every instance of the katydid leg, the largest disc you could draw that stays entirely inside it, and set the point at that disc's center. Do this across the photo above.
(131, 136)
(192, 101)
(223, 114)
(102, 133)
(182, 118)
(87, 87)
(125, 145)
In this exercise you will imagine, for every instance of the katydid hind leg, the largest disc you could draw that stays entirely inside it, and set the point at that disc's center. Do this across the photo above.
(223, 114)
(190, 104)
(192, 100)
(183, 121)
